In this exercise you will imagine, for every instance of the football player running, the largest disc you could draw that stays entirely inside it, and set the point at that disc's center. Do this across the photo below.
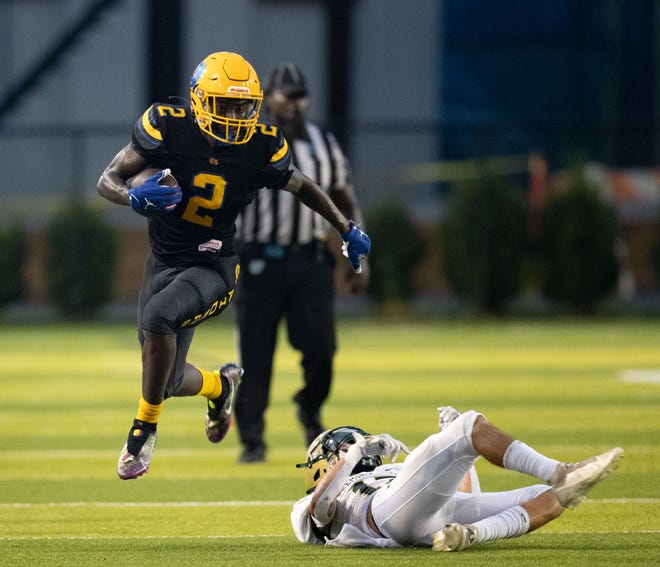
(354, 500)
(221, 155)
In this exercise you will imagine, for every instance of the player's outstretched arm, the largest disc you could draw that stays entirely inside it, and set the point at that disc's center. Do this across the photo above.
(357, 242)
(311, 195)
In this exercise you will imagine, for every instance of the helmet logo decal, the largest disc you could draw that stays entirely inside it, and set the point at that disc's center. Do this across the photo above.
(238, 90)
(199, 71)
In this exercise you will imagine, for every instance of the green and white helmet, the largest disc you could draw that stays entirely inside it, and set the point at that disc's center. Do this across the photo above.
(324, 452)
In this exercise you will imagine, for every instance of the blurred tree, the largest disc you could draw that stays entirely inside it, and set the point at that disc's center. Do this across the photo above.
(397, 250)
(80, 260)
(579, 240)
(13, 244)
(484, 240)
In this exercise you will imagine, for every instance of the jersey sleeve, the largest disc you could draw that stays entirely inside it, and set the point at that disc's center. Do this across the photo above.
(279, 169)
(301, 521)
(147, 134)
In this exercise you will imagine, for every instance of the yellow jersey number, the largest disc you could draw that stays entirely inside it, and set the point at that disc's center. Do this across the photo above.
(267, 129)
(213, 184)
(197, 206)
(176, 112)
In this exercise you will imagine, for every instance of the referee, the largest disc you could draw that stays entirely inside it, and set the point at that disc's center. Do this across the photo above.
(287, 270)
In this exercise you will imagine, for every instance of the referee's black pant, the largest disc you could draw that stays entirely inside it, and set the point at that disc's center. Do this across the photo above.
(295, 283)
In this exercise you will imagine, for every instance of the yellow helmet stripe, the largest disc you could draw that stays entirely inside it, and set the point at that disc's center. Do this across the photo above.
(279, 154)
(149, 129)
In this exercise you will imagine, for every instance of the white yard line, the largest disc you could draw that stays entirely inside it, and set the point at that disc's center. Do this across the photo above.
(137, 536)
(258, 536)
(227, 503)
(640, 376)
(244, 503)
(233, 503)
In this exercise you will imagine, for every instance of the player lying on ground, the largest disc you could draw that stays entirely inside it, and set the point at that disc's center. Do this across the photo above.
(353, 500)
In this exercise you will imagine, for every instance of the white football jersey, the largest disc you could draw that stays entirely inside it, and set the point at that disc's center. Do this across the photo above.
(349, 526)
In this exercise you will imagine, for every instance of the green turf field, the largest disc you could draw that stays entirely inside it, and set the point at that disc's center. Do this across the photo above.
(69, 394)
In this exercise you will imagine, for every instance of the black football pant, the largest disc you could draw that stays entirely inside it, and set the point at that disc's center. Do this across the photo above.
(298, 286)
(174, 300)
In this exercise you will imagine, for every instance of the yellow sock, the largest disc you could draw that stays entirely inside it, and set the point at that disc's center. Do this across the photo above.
(211, 384)
(148, 412)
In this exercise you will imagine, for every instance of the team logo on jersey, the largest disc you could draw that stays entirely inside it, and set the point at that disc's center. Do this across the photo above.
(212, 245)
(213, 161)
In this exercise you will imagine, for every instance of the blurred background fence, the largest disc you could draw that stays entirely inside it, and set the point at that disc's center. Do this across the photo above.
(430, 97)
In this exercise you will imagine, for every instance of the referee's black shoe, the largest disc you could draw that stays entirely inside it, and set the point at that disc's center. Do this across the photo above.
(256, 454)
(311, 425)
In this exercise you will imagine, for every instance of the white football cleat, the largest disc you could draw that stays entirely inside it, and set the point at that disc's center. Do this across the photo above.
(572, 481)
(454, 537)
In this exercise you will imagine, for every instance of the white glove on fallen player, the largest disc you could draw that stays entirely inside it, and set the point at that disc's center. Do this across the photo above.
(382, 445)
(446, 414)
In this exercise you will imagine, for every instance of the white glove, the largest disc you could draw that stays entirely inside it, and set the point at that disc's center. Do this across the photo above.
(446, 414)
(382, 445)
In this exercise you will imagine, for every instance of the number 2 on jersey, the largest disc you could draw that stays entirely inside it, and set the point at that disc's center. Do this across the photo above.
(197, 205)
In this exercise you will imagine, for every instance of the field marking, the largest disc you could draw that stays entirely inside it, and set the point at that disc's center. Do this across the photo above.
(640, 376)
(107, 453)
(599, 532)
(623, 501)
(65, 537)
(261, 536)
(244, 503)
(227, 503)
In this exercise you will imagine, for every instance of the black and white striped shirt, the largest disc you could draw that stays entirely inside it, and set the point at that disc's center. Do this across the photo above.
(278, 216)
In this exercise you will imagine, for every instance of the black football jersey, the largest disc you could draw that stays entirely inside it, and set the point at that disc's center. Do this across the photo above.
(217, 181)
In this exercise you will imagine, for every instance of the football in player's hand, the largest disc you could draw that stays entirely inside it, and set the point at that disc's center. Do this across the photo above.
(167, 180)
(154, 192)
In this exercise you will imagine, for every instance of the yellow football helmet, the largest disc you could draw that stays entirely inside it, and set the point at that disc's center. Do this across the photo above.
(323, 452)
(225, 96)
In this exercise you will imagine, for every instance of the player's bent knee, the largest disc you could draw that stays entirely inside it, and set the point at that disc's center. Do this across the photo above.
(159, 319)
(469, 420)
